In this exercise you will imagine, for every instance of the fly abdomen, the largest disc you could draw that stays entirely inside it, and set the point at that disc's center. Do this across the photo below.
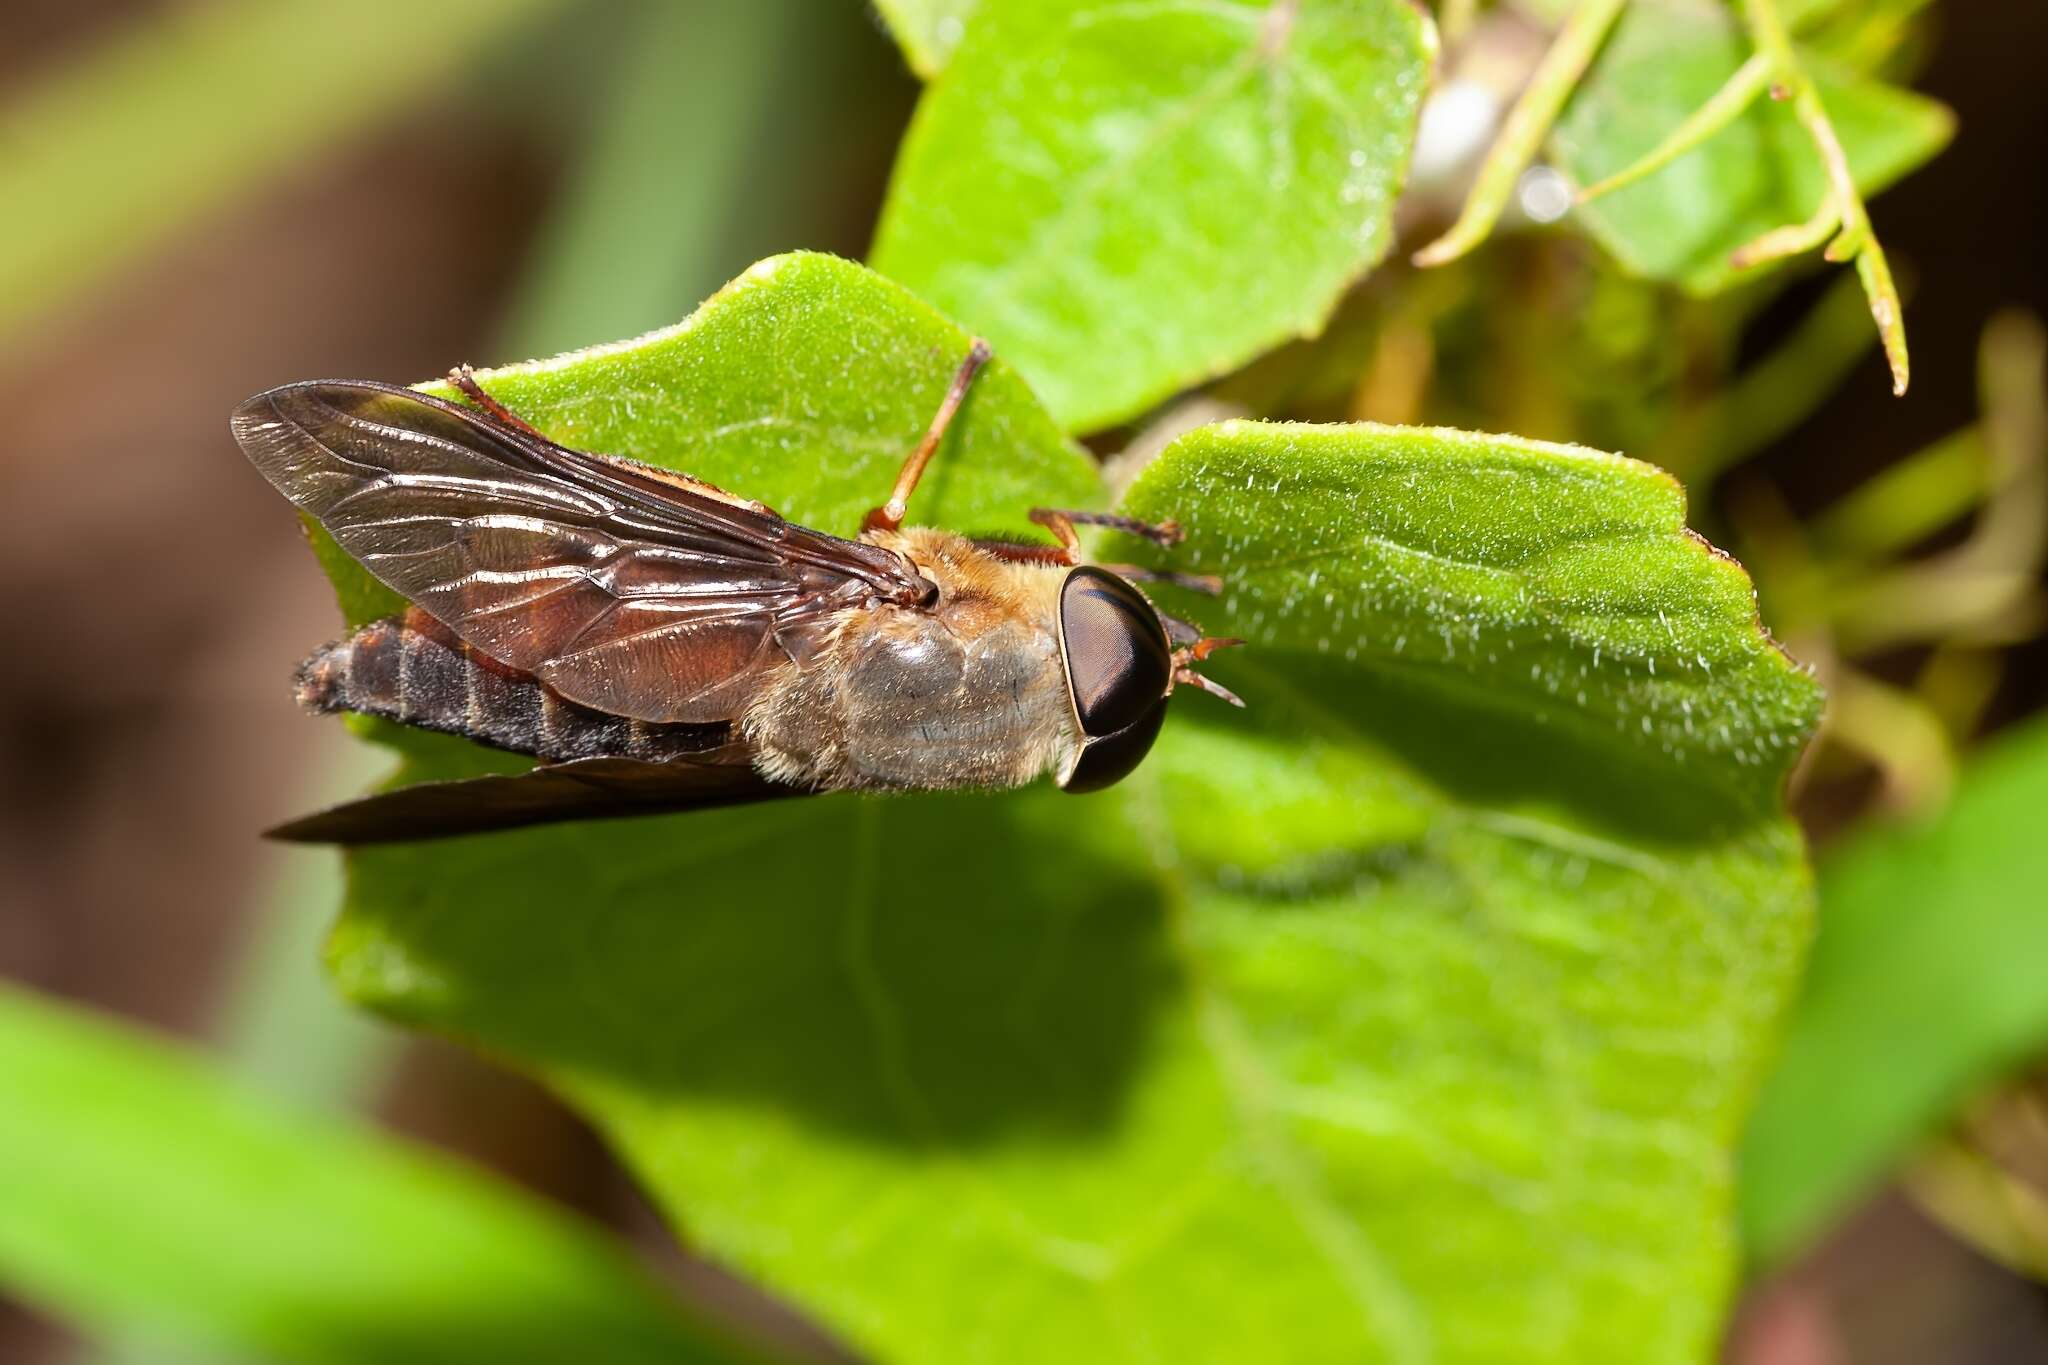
(413, 670)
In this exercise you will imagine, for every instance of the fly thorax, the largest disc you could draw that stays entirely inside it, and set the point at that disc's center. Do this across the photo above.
(910, 704)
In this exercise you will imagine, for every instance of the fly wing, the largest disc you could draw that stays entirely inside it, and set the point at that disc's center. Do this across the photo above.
(626, 588)
(585, 789)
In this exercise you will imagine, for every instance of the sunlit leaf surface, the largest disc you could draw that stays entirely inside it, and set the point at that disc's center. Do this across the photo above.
(1128, 198)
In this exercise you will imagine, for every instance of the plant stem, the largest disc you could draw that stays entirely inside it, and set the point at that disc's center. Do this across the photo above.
(1904, 503)
(1896, 731)
(1790, 240)
(1857, 240)
(1985, 590)
(1720, 110)
(1773, 395)
(1557, 75)
(1454, 18)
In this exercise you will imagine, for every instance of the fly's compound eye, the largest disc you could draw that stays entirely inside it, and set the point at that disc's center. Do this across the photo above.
(1119, 663)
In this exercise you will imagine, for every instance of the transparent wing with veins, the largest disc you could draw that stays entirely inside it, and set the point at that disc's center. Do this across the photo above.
(626, 588)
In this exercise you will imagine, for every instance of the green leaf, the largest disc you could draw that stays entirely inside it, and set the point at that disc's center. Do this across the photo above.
(146, 1193)
(1556, 581)
(1128, 198)
(805, 382)
(927, 30)
(1409, 1015)
(1926, 985)
(178, 115)
(1664, 60)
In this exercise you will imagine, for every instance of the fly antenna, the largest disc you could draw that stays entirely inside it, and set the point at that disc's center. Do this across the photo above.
(1209, 644)
(1194, 653)
(1209, 685)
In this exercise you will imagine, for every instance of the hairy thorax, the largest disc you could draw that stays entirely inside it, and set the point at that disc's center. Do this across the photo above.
(970, 693)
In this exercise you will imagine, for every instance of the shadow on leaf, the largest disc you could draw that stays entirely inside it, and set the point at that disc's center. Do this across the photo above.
(1335, 776)
(911, 970)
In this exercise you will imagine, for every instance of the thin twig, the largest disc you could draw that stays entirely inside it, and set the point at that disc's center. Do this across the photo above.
(1556, 76)
(1791, 240)
(1720, 110)
(1773, 42)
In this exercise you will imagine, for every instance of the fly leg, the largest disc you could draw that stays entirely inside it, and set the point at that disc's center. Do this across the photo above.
(1061, 524)
(464, 379)
(890, 514)
(1165, 535)
(1209, 583)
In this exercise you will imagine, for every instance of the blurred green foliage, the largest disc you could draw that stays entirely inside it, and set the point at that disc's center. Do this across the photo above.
(1684, 223)
(1925, 986)
(1075, 185)
(144, 1191)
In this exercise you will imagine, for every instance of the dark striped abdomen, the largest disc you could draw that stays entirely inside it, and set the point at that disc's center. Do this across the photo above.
(413, 670)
